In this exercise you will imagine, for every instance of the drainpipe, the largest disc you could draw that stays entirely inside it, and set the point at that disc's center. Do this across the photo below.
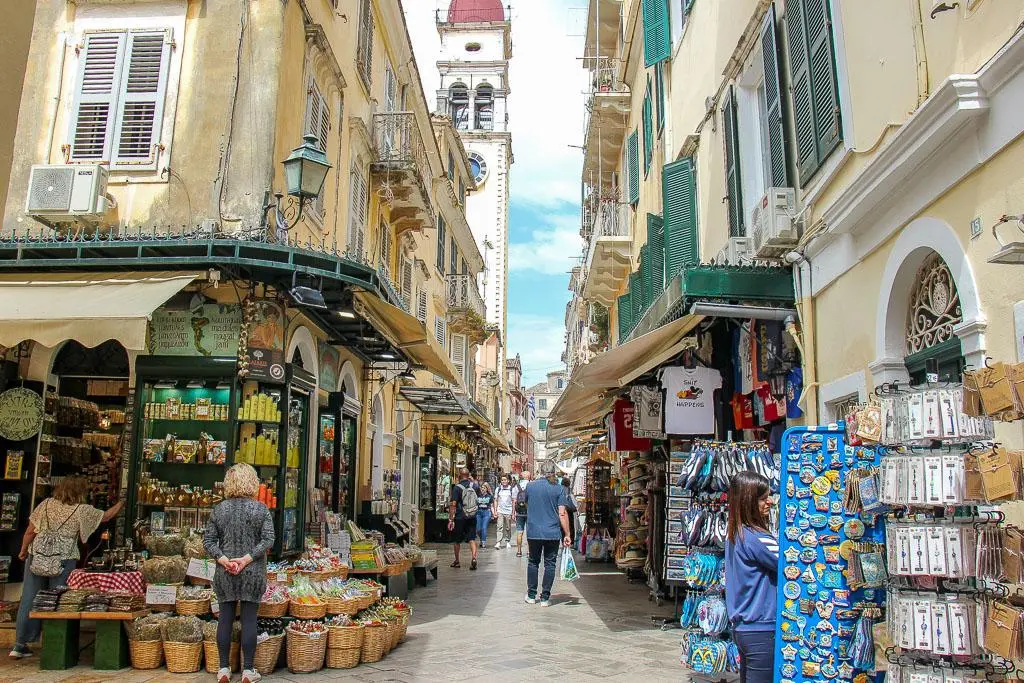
(920, 52)
(56, 98)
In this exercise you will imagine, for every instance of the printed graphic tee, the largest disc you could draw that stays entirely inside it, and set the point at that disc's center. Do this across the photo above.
(649, 413)
(689, 404)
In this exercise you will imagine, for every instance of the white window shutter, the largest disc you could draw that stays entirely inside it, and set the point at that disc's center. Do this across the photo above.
(441, 331)
(390, 88)
(318, 115)
(407, 275)
(459, 354)
(143, 87)
(421, 306)
(385, 248)
(95, 109)
(357, 213)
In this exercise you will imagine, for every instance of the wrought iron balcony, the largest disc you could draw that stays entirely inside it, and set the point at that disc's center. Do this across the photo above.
(609, 253)
(401, 166)
(464, 297)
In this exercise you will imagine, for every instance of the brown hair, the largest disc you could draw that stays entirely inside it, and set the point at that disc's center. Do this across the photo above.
(745, 492)
(72, 490)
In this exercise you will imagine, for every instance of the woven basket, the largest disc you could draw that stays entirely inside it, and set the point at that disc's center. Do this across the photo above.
(345, 637)
(343, 658)
(267, 654)
(192, 607)
(146, 654)
(212, 656)
(341, 573)
(306, 654)
(393, 633)
(316, 576)
(307, 611)
(347, 606)
(183, 658)
(272, 577)
(374, 640)
(196, 581)
(272, 609)
(365, 601)
(403, 626)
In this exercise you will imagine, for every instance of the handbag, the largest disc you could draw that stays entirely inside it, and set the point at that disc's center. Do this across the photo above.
(50, 549)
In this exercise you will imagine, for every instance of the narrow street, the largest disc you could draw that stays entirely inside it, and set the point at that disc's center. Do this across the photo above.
(475, 625)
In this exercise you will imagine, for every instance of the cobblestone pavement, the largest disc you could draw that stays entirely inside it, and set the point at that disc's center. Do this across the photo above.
(475, 625)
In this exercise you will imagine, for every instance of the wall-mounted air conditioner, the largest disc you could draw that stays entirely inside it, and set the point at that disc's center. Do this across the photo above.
(736, 252)
(772, 224)
(66, 193)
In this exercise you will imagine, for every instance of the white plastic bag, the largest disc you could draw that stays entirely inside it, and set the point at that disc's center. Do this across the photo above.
(567, 567)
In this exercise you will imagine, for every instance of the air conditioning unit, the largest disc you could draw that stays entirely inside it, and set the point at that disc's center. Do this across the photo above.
(67, 193)
(771, 223)
(736, 252)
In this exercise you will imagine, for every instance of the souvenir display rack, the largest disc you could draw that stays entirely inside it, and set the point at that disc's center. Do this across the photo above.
(16, 495)
(634, 532)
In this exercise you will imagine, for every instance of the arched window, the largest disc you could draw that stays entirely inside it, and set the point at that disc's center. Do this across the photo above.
(484, 102)
(459, 106)
(933, 314)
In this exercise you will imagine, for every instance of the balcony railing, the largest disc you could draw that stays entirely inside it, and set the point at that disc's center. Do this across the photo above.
(610, 220)
(463, 295)
(402, 156)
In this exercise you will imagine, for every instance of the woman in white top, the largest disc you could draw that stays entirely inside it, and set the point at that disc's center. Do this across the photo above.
(66, 514)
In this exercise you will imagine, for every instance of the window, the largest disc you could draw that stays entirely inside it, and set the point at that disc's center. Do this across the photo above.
(657, 45)
(648, 129)
(542, 404)
(484, 102)
(473, 47)
(451, 166)
(318, 123)
(364, 46)
(385, 249)
(454, 256)
(842, 407)
(465, 268)
(407, 282)
(813, 84)
(542, 424)
(119, 98)
(421, 306)
(560, 383)
(357, 213)
(390, 88)
(732, 165)
(656, 242)
(441, 242)
(441, 331)
(458, 353)
(459, 104)
(679, 199)
(634, 168)
(462, 192)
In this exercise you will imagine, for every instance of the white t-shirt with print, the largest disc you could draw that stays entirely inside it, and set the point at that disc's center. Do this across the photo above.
(505, 499)
(690, 399)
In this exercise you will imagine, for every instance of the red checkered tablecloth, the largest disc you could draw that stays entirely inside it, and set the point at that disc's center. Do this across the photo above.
(107, 582)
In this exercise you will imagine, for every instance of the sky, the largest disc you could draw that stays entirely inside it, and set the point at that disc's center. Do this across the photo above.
(546, 114)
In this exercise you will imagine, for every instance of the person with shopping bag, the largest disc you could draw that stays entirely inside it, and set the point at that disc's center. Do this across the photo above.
(547, 524)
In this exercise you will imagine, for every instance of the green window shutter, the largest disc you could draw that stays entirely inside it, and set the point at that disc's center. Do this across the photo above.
(656, 241)
(634, 168)
(803, 114)
(679, 197)
(636, 295)
(625, 306)
(440, 243)
(648, 130)
(659, 95)
(657, 45)
(645, 275)
(732, 165)
(775, 125)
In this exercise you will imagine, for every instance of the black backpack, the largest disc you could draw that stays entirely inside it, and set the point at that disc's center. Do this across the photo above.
(521, 505)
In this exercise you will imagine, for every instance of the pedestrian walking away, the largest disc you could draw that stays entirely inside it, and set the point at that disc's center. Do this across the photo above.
(571, 510)
(519, 493)
(462, 509)
(504, 511)
(547, 526)
(238, 536)
(751, 563)
(484, 513)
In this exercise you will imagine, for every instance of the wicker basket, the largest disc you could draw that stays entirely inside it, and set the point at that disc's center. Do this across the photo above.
(306, 653)
(365, 601)
(341, 573)
(307, 611)
(183, 658)
(393, 633)
(192, 607)
(212, 656)
(345, 637)
(403, 628)
(374, 640)
(347, 606)
(273, 577)
(317, 576)
(267, 654)
(168, 607)
(343, 658)
(272, 609)
(146, 654)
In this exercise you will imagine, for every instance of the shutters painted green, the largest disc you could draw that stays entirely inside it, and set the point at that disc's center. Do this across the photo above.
(657, 42)
(636, 295)
(659, 95)
(648, 129)
(634, 168)
(815, 95)
(625, 306)
(679, 190)
(656, 241)
(732, 165)
(645, 275)
(775, 124)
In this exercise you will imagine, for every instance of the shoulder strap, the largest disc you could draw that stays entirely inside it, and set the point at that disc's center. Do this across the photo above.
(68, 518)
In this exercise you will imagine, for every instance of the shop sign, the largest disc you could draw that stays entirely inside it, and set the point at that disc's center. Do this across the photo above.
(201, 568)
(329, 366)
(266, 342)
(21, 414)
(209, 330)
(157, 594)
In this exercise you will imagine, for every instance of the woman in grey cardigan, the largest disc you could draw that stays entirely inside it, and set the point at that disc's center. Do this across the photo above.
(238, 536)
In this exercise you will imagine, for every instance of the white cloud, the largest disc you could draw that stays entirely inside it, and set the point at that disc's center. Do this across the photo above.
(547, 341)
(553, 249)
(546, 106)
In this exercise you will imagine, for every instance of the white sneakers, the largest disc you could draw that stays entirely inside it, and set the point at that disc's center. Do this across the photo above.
(224, 676)
(531, 601)
(497, 546)
(545, 603)
(250, 676)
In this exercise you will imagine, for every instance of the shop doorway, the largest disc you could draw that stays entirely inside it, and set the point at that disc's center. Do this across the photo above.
(377, 448)
(407, 468)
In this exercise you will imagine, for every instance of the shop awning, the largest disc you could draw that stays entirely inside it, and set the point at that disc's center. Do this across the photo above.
(408, 335)
(88, 307)
(436, 401)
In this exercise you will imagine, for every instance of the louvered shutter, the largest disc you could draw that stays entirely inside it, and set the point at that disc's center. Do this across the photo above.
(636, 295)
(99, 74)
(459, 354)
(407, 275)
(634, 168)
(657, 44)
(803, 110)
(385, 248)
(775, 123)
(679, 190)
(441, 331)
(824, 89)
(656, 242)
(421, 306)
(732, 165)
(440, 243)
(659, 94)
(141, 108)
(454, 256)
(364, 46)
(390, 89)
(646, 277)
(625, 312)
(318, 115)
(648, 129)
(357, 214)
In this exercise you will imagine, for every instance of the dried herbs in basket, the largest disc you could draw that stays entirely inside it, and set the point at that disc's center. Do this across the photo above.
(165, 546)
(210, 631)
(182, 630)
(164, 570)
(145, 628)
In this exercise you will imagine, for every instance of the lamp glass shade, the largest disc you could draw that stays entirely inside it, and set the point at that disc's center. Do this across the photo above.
(305, 169)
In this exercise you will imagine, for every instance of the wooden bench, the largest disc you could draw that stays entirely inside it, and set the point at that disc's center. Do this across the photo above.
(61, 631)
(423, 570)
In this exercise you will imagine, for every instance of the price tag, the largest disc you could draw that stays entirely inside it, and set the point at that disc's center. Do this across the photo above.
(201, 568)
(157, 594)
(214, 605)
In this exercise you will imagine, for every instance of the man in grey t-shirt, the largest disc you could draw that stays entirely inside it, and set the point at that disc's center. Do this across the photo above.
(547, 525)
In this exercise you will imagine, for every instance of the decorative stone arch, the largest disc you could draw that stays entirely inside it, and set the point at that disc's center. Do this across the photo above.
(347, 379)
(302, 341)
(921, 238)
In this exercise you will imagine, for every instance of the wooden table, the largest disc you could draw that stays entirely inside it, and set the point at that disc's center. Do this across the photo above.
(61, 631)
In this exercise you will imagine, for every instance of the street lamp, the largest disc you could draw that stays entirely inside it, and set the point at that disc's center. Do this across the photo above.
(305, 171)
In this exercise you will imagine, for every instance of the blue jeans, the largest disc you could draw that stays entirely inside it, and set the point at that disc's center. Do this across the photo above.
(483, 518)
(28, 630)
(757, 655)
(550, 550)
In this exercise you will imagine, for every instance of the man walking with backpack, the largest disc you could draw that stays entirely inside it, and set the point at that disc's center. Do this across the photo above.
(519, 491)
(462, 516)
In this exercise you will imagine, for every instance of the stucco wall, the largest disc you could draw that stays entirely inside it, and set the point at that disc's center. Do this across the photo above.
(15, 38)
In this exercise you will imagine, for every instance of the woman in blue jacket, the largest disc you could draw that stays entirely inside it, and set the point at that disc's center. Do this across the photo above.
(752, 571)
